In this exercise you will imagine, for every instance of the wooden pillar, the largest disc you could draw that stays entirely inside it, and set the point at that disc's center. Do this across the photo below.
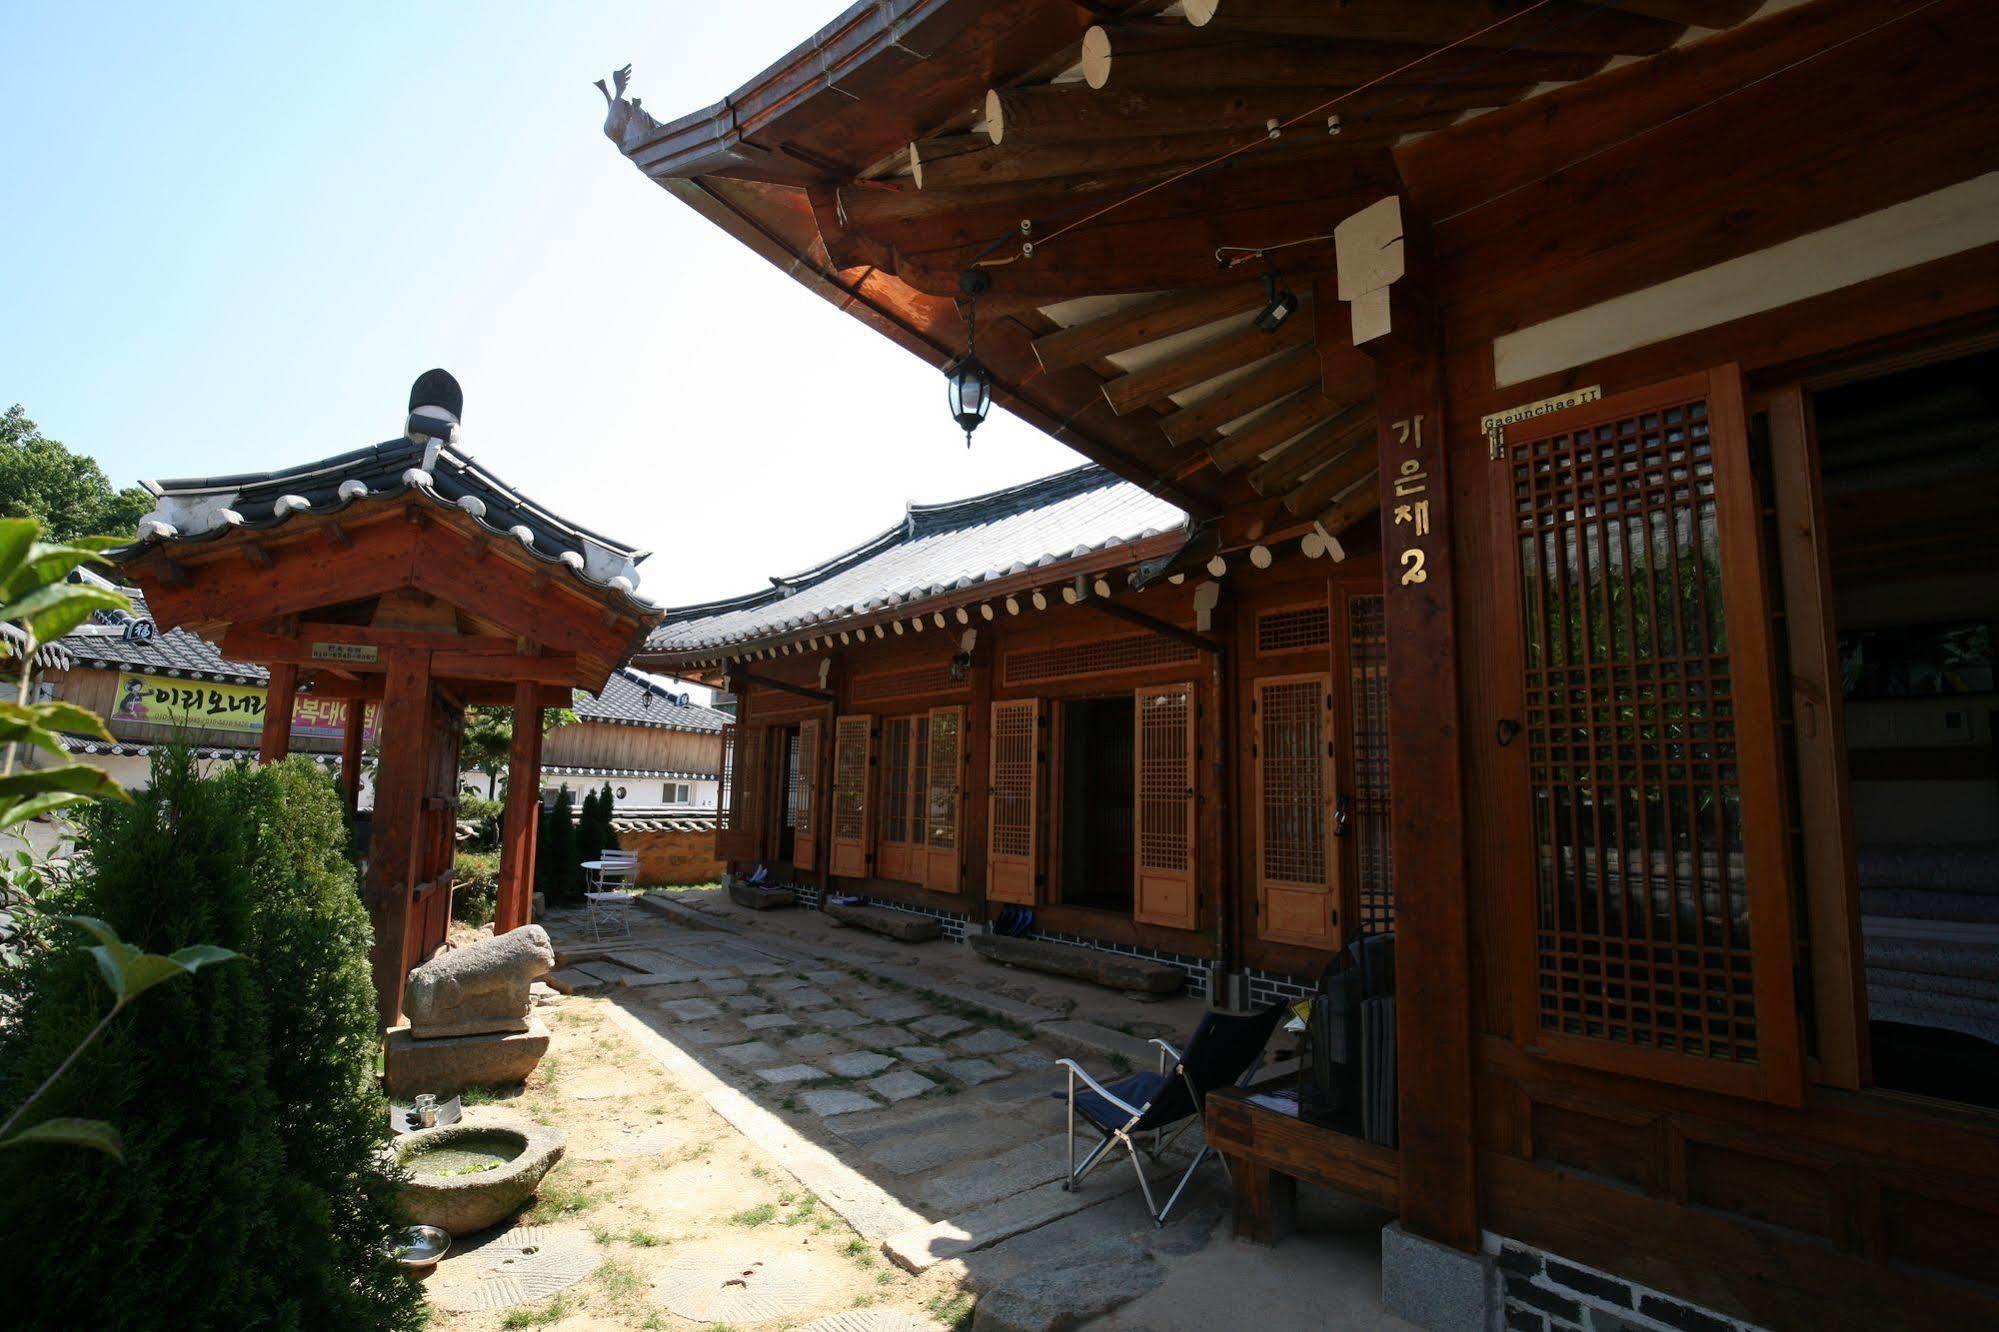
(350, 754)
(1425, 767)
(520, 825)
(401, 770)
(278, 696)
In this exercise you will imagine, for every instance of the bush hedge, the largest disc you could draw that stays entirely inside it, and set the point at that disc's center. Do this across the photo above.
(252, 1192)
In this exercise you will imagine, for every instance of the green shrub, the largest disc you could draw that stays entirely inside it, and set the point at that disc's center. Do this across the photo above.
(484, 817)
(250, 1193)
(555, 868)
(591, 825)
(475, 886)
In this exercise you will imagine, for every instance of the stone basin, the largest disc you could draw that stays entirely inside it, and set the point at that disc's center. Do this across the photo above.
(467, 1176)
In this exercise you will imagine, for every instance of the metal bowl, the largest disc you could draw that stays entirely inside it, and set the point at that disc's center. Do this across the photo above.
(421, 1246)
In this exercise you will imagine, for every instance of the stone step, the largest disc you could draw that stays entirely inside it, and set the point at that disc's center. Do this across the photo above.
(902, 926)
(759, 898)
(923, 1247)
(1114, 971)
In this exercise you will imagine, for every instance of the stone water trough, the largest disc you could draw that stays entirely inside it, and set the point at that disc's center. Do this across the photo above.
(467, 1176)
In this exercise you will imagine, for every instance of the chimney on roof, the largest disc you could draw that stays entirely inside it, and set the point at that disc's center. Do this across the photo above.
(436, 403)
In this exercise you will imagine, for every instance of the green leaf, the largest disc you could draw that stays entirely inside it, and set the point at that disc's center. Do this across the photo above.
(92, 1133)
(71, 718)
(196, 956)
(101, 929)
(17, 538)
(48, 564)
(36, 806)
(80, 778)
(56, 608)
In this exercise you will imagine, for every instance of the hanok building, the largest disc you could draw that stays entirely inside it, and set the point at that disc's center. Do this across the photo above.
(1635, 359)
(408, 575)
(650, 743)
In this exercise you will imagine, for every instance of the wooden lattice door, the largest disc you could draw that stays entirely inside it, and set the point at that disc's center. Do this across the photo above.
(1655, 901)
(1163, 783)
(942, 796)
(805, 819)
(1014, 791)
(853, 752)
(1297, 860)
(738, 802)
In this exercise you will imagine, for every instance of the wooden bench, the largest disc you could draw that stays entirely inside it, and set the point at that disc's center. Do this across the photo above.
(1269, 1149)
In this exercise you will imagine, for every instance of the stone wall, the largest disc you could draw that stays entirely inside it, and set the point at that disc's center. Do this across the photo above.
(671, 856)
(1543, 1292)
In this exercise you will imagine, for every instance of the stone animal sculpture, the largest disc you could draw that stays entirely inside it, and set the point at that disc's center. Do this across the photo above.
(482, 987)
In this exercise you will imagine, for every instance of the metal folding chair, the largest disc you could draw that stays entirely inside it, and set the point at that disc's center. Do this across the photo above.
(1225, 1049)
(609, 914)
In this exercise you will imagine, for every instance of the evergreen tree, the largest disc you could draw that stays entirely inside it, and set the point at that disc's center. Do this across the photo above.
(558, 848)
(607, 806)
(589, 832)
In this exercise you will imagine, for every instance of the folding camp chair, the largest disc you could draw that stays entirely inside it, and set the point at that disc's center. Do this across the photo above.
(608, 914)
(1226, 1048)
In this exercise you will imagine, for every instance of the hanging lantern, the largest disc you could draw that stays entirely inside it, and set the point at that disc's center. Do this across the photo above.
(966, 380)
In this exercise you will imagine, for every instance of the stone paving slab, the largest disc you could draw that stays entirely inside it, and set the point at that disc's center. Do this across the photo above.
(827, 977)
(692, 1010)
(759, 969)
(702, 1036)
(899, 1085)
(878, 1036)
(990, 1040)
(671, 976)
(1031, 1060)
(875, 1320)
(510, 1267)
(791, 1073)
(837, 1019)
(727, 985)
(941, 1024)
(895, 1008)
(834, 1101)
(923, 1247)
(776, 983)
(807, 998)
(573, 980)
(995, 1177)
(860, 1064)
(815, 1044)
(922, 1054)
(971, 1072)
(769, 1021)
(750, 1053)
(748, 1003)
(1094, 1038)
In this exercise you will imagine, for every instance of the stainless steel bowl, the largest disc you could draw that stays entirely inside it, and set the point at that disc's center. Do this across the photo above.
(421, 1246)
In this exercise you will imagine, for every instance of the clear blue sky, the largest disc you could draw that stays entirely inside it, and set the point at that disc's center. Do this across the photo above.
(231, 235)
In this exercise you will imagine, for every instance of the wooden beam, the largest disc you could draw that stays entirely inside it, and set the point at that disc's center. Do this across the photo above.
(1330, 480)
(276, 741)
(1435, 985)
(1163, 54)
(1355, 504)
(1290, 372)
(1564, 25)
(1324, 442)
(351, 737)
(1229, 351)
(1062, 112)
(256, 555)
(401, 768)
(1164, 628)
(519, 824)
(1145, 321)
(1291, 417)
(737, 673)
(972, 160)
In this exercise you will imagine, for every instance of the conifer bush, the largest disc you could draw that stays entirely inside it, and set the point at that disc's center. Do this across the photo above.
(556, 861)
(251, 1193)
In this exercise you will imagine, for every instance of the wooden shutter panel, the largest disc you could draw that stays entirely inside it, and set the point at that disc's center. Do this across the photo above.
(1015, 796)
(1297, 861)
(737, 825)
(853, 748)
(939, 807)
(1654, 898)
(805, 831)
(1164, 791)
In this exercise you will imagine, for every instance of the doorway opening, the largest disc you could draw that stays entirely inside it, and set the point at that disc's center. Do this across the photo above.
(1910, 471)
(1095, 831)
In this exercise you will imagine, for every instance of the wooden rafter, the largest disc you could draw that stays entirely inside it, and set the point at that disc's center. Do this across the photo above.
(1229, 351)
(1352, 428)
(1295, 369)
(1146, 321)
(1564, 25)
(1293, 416)
(1060, 112)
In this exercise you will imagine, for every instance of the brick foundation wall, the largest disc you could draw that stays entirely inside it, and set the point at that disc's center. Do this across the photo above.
(670, 857)
(1544, 1292)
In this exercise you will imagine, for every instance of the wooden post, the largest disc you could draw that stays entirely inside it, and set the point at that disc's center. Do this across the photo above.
(521, 823)
(402, 765)
(278, 696)
(1425, 768)
(350, 754)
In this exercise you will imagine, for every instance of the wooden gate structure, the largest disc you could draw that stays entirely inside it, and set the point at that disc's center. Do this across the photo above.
(1618, 355)
(407, 574)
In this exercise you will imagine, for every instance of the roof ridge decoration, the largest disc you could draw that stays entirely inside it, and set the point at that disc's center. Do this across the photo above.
(426, 461)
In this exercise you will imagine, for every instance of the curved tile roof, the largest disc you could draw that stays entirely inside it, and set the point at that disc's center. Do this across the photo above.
(935, 550)
(631, 699)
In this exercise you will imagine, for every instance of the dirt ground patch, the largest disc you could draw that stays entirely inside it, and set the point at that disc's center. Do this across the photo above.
(670, 1191)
